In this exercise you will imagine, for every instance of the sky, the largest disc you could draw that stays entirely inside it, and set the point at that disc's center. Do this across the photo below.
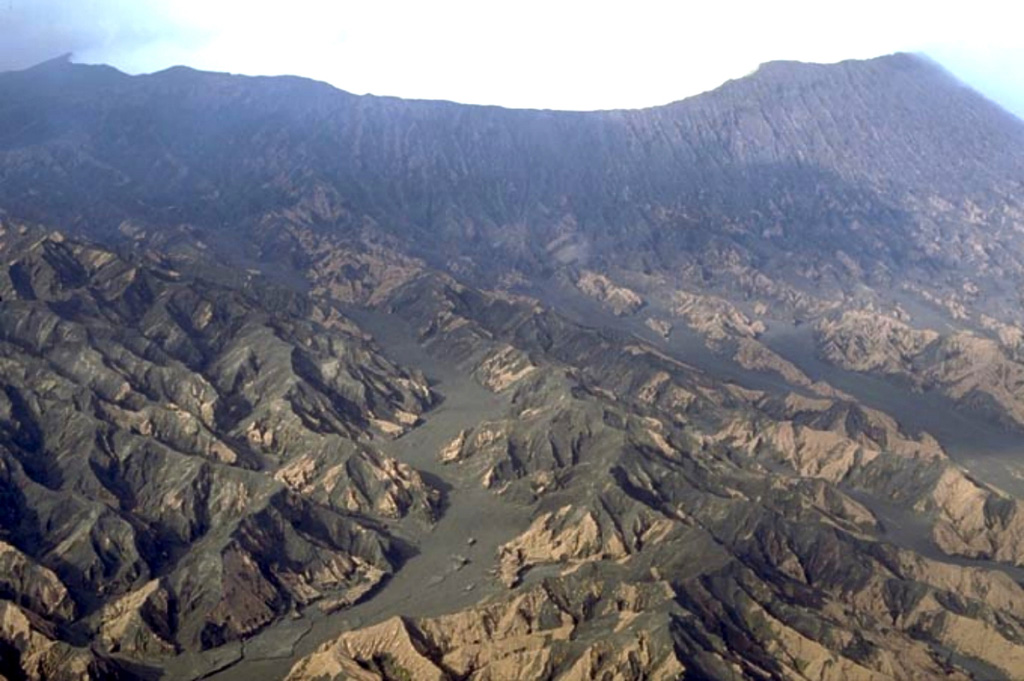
(559, 54)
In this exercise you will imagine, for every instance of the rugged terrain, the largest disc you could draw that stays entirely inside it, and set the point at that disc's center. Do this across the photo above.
(299, 384)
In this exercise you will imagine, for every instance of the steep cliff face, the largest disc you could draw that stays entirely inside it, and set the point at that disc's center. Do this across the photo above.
(301, 383)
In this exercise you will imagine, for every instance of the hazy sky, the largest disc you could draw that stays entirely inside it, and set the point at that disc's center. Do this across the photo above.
(550, 54)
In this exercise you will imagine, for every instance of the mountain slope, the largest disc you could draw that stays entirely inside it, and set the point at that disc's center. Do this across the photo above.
(313, 384)
(183, 462)
(846, 150)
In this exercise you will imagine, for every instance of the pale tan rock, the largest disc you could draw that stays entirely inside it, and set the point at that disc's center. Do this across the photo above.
(866, 341)
(41, 656)
(1010, 336)
(621, 300)
(509, 640)
(364, 481)
(390, 640)
(980, 373)
(715, 318)
(504, 367)
(568, 535)
(453, 450)
(124, 629)
(34, 584)
(659, 326)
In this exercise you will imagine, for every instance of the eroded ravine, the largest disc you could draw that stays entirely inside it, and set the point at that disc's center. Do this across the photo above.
(992, 453)
(436, 579)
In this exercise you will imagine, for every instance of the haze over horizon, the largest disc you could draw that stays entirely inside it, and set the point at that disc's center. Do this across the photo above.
(567, 55)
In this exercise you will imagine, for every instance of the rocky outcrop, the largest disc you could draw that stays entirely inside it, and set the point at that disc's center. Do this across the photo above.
(527, 636)
(659, 326)
(865, 450)
(503, 368)
(619, 299)
(35, 587)
(979, 374)
(865, 341)
(362, 482)
(715, 318)
(30, 649)
(575, 534)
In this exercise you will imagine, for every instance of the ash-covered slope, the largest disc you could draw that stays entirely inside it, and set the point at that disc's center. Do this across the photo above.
(883, 159)
(639, 465)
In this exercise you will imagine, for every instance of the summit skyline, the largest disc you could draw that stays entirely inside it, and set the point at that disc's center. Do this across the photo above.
(564, 55)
